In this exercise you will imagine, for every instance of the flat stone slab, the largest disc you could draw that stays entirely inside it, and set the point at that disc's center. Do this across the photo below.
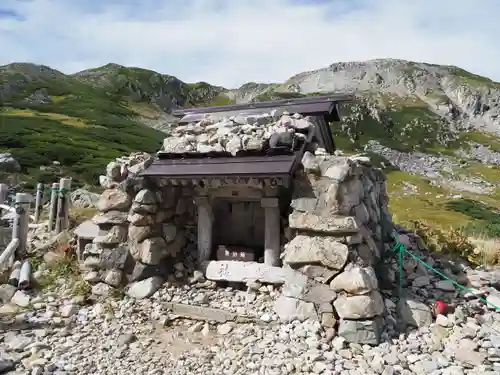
(237, 271)
(87, 230)
(334, 225)
(201, 313)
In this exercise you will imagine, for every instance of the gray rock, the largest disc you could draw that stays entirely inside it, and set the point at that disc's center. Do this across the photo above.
(110, 218)
(140, 233)
(116, 235)
(414, 313)
(20, 299)
(361, 331)
(102, 289)
(87, 230)
(147, 197)
(8, 163)
(81, 198)
(151, 251)
(68, 310)
(114, 171)
(360, 307)
(465, 351)
(329, 224)
(115, 258)
(445, 285)
(289, 309)
(144, 288)
(310, 162)
(303, 249)
(355, 280)
(114, 200)
(421, 281)
(143, 271)
(7, 291)
(113, 277)
(224, 329)
(169, 231)
(6, 365)
(299, 286)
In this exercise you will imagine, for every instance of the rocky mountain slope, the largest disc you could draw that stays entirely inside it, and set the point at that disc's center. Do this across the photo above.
(436, 129)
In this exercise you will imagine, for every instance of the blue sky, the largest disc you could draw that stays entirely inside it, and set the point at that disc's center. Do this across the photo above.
(230, 42)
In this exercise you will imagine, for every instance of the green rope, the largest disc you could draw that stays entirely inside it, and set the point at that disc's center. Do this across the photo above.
(401, 250)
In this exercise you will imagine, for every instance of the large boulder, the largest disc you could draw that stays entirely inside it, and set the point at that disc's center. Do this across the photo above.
(8, 163)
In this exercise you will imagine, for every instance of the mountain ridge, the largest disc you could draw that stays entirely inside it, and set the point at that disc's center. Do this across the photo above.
(435, 129)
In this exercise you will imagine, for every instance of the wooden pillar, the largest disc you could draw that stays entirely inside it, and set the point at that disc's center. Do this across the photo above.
(272, 233)
(205, 224)
(4, 191)
(53, 206)
(23, 202)
(63, 205)
(38, 201)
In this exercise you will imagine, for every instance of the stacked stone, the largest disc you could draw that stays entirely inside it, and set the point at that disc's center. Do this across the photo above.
(154, 234)
(237, 133)
(107, 255)
(340, 221)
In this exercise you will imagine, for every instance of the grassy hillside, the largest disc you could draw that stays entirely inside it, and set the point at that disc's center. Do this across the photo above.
(85, 120)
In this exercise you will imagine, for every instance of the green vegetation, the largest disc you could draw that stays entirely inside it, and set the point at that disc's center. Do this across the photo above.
(451, 242)
(62, 265)
(142, 85)
(404, 124)
(464, 227)
(86, 120)
(83, 150)
(485, 218)
(472, 79)
(488, 140)
(413, 197)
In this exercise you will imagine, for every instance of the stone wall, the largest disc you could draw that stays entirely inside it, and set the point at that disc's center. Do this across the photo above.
(142, 229)
(338, 228)
(336, 233)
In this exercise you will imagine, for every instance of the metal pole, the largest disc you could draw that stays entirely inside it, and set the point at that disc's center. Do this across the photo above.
(53, 206)
(39, 201)
(23, 201)
(63, 206)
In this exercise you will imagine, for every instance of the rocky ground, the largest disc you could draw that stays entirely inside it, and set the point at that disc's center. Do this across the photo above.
(59, 331)
(442, 170)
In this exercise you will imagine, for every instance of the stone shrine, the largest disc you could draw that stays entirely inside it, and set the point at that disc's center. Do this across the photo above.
(249, 193)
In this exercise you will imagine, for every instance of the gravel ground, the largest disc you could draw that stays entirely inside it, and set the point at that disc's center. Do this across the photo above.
(62, 334)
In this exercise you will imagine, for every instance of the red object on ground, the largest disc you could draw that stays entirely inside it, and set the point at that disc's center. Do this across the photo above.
(440, 307)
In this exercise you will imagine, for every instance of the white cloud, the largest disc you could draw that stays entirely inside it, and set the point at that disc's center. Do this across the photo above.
(230, 42)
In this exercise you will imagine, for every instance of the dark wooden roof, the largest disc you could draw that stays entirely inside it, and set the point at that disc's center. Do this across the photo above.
(325, 105)
(220, 167)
